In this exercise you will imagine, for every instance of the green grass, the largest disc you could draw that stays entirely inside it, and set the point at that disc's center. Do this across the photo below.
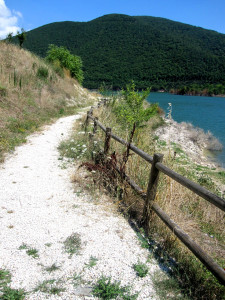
(143, 240)
(30, 251)
(92, 262)
(218, 175)
(3, 91)
(5, 277)
(23, 246)
(72, 244)
(6, 292)
(167, 287)
(52, 268)
(12, 294)
(106, 289)
(186, 279)
(18, 128)
(75, 148)
(206, 181)
(42, 73)
(158, 123)
(141, 269)
(221, 174)
(50, 286)
(210, 230)
(21, 126)
(78, 146)
(162, 143)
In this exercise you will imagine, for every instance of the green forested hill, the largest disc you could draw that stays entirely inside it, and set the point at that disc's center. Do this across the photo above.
(152, 51)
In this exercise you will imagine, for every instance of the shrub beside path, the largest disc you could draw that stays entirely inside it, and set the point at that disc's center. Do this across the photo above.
(55, 241)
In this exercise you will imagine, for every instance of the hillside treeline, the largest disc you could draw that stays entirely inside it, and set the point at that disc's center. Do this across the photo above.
(152, 51)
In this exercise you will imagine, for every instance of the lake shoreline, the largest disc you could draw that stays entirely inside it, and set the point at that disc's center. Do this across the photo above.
(195, 94)
(203, 112)
(185, 135)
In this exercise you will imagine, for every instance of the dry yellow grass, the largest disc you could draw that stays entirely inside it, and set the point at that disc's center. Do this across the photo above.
(182, 205)
(31, 93)
(200, 219)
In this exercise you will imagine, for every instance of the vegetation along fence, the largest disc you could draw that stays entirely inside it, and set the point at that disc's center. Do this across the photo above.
(149, 197)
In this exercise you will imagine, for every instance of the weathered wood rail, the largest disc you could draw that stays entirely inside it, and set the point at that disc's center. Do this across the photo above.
(149, 197)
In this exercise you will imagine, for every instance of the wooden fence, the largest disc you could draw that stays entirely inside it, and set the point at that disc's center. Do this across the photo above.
(149, 197)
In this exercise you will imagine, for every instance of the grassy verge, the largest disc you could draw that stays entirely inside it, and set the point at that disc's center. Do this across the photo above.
(6, 292)
(201, 220)
(32, 94)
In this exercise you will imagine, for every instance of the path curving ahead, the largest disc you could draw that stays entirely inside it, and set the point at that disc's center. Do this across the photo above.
(39, 210)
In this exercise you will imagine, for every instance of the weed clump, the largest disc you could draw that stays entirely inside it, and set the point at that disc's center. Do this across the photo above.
(141, 269)
(42, 73)
(6, 292)
(52, 268)
(30, 251)
(76, 149)
(50, 286)
(12, 294)
(5, 277)
(92, 262)
(72, 244)
(106, 289)
(3, 91)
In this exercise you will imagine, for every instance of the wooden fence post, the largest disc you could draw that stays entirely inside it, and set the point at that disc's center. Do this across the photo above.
(86, 121)
(95, 126)
(151, 191)
(107, 140)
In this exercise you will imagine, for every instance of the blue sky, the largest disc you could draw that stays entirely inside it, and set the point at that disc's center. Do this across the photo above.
(14, 14)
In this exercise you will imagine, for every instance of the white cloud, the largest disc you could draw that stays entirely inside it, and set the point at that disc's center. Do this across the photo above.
(8, 20)
(18, 13)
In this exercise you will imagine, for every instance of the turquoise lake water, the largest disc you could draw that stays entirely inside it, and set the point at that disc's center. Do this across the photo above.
(207, 113)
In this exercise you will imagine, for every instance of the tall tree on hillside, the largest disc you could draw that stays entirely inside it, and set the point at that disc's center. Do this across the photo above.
(21, 37)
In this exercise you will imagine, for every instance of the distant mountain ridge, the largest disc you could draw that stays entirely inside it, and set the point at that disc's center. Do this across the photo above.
(152, 51)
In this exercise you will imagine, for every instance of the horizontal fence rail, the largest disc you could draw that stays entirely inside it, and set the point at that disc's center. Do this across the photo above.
(149, 197)
(194, 187)
(138, 151)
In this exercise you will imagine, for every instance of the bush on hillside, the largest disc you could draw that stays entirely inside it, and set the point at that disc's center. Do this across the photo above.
(42, 73)
(67, 60)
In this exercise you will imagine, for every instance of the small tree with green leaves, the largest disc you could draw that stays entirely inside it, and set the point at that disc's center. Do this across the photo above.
(21, 37)
(71, 62)
(131, 111)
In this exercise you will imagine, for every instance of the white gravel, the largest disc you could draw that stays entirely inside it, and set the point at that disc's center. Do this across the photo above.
(39, 208)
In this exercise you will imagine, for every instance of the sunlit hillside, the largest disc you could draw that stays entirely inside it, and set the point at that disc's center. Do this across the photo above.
(152, 51)
(31, 93)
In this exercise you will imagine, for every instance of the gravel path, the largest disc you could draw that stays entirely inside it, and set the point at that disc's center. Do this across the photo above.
(39, 209)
